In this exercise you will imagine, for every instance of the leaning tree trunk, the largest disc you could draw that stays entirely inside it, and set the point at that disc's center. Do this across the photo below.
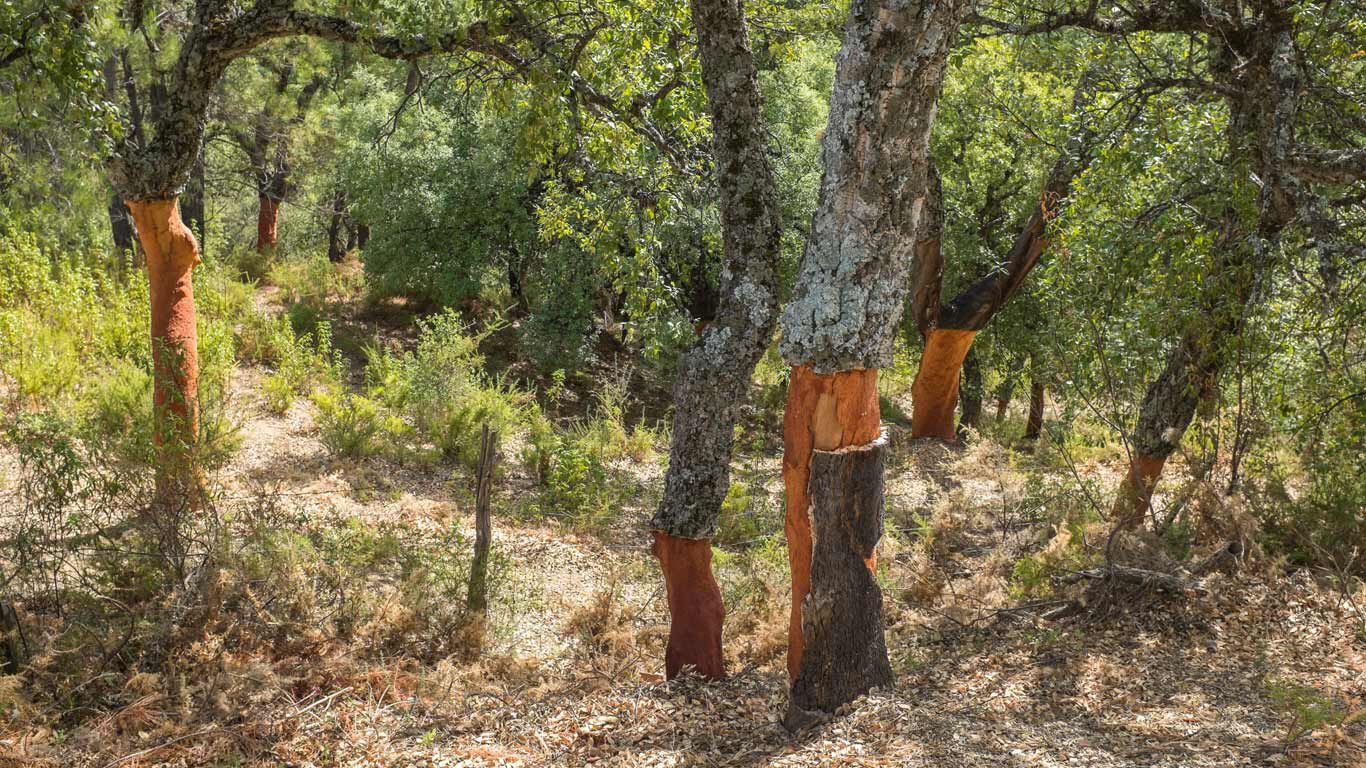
(949, 330)
(1262, 108)
(839, 327)
(172, 253)
(714, 377)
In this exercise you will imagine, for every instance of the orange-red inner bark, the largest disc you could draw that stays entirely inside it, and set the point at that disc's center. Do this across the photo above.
(267, 224)
(934, 394)
(696, 612)
(1136, 492)
(171, 255)
(824, 412)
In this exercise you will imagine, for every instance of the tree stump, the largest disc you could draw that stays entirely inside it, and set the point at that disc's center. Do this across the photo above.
(845, 649)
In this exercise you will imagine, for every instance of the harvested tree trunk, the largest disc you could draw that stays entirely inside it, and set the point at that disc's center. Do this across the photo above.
(477, 595)
(824, 413)
(934, 393)
(714, 377)
(1036, 404)
(845, 651)
(172, 253)
(267, 224)
(850, 291)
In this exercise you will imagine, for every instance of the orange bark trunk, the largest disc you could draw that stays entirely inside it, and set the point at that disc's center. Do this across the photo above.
(695, 609)
(171, 255)
(1136, 491)
(934, 394)
(824, 412)
(267, 224)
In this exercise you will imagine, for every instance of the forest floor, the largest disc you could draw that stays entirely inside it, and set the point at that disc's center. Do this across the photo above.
(571, 670)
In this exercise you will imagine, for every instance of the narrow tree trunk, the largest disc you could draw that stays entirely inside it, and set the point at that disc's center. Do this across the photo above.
(845, 651)
(713, 380)
(1036, 403)
(970, 394)
(362, 235)
(171, 255)
(267, 224)
(696, 613)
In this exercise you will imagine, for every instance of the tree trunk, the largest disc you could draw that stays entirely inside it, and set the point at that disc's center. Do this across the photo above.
(1036, 403)
(825, 412)
(845, 651)
(336, 246)
(1003, 395)
(121, 226)
(267, 224)
(696, 613)
(934, 393)
(192, 202)
(839, 326)
(171, 255)
(970, 394)
(713, 379)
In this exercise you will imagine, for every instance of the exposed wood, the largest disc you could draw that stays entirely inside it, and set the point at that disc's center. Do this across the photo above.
(845, 648)
(824, 412)
(934, 393)
(696, 613)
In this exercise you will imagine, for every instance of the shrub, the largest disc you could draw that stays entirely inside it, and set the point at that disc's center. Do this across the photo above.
(348, 423)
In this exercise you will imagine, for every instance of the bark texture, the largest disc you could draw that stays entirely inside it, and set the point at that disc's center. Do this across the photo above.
(846, 652)
(851, 284)
(695, 608)
(171, 255)
(824, 412)
(713, 380)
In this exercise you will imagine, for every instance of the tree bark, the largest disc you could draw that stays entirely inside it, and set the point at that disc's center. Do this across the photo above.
(824, 412)
(934, 393)
(336, 246)
(171, 255)
(267, 224)
(713, 379)
(845, 651)
(696, 612)
(838, 328)
(970, 394)
(121, 226)
(1003, 395)
(1036, 403)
